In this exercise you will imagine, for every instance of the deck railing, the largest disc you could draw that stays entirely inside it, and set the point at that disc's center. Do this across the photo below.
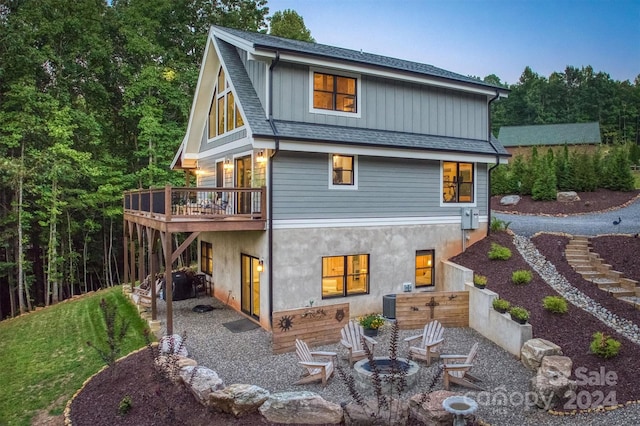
(203, 202)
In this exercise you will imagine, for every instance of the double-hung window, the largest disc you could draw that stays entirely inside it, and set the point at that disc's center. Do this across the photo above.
(343, 170)
(345, 275)
(424, 268)
(457, 182)
(206, 257)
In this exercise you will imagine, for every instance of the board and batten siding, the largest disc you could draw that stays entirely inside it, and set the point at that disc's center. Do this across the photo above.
(257, 72)
(387, 187)
(386, 104)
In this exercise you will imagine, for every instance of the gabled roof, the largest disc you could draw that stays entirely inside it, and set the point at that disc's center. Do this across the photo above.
(550, 134)
(269, 42)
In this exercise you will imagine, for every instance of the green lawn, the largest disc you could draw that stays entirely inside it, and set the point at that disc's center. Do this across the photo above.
(44, 358)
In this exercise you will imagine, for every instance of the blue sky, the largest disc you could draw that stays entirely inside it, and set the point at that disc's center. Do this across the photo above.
(474, 37)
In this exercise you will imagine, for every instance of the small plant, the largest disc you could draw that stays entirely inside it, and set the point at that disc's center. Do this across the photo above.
(116, 329)
(499, 252)
(501, 305)
(371, 321)
(521, 277)
(125, 405)
(604, 345)
(555, 304)
(519, 314)
(498, 225)
(480, 281)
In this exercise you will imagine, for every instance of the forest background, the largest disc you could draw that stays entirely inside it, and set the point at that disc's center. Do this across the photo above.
(95, 98)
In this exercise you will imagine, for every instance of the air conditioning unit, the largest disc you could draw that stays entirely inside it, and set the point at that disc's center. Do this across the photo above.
(407, 287)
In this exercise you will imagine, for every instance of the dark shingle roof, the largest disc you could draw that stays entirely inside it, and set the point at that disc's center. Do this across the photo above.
(381, 138)
(337, 53)
(550, 134)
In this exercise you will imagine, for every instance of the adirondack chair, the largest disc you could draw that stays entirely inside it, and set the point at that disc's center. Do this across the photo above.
(426, 346)
(352, 335)
(319, 365)
(142, 296)
(459, 373)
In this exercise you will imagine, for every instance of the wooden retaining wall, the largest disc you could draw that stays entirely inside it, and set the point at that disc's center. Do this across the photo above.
(317, 326)
(414, 310)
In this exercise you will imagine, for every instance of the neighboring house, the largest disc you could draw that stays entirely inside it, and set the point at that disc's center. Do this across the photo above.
(521, 139)
(326, 175)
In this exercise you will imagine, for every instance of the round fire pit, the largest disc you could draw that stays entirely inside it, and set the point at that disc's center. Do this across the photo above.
(387, 368)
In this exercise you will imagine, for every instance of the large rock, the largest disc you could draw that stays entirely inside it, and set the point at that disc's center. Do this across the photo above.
(534, 350)
(300, 408)
(567, 196)
(510, 200)
(202, 381)
(429, 410)
(368, 414)
(172, 345)
(238, 399)
(556, 365)
(551, 385)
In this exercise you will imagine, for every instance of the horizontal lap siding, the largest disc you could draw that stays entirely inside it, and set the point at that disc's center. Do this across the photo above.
(386, 104)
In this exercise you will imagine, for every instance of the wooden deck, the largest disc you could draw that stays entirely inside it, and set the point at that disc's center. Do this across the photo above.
(197, 209)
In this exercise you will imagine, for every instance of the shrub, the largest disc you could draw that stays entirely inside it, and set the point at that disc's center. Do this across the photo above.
(604, 346)
(521, 277)
(498, 225)
(520, 313)
(479, 280)
(555, 304)
(501, 305)
(125, 405)
(371, 321)
(116, 329)
(499, 252)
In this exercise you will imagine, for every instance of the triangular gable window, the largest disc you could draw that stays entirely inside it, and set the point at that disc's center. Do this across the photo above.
(224, 115)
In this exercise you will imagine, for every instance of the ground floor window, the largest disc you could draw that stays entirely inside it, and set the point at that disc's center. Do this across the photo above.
(206, 257)
(424, 268)
(345, 275)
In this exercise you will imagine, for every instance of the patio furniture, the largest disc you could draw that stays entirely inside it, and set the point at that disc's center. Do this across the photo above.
(353, 339)
(459, 373)
(319, 365)
(426, 346)
(142, 296)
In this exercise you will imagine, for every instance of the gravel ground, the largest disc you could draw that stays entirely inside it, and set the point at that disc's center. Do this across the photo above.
(246, 358)
(586, 224)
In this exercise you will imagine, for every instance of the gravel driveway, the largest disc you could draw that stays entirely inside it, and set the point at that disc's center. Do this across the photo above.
(591, 224)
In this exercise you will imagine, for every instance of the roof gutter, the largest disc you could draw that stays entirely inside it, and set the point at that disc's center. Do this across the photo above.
(489, 137)
(276, 139)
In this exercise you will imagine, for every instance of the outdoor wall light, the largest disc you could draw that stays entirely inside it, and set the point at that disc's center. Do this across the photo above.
(261, 157)
(228, 165)
(260, 267)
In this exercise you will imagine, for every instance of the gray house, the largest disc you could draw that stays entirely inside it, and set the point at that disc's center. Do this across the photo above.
(362, 172)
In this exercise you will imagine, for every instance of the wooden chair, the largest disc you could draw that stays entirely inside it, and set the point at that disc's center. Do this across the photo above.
(142, 296)
(459, 373)
(319, 365)
(430, 343)
(352, 338)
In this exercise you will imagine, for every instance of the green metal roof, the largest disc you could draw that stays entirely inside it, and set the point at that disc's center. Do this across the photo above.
(550, 134)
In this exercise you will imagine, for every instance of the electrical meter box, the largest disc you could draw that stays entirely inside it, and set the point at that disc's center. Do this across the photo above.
(470, 218)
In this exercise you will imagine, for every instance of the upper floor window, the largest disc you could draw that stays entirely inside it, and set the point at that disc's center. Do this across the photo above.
(457, 182)
(344, 170)
(345, 275)
(334, 94)
(224, 114)
(424, 268)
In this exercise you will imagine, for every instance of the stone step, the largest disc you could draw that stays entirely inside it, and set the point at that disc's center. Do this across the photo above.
(620, 292)
(577, 258)
(585, 268)
(628, 282)
(604, 283)
(632, 300)
(590, 275)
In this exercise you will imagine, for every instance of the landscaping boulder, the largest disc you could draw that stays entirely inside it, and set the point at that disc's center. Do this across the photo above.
(201, 381)
(238, 399)
(300, 408)
(554, 365)
(429, 410)
(567, 196)
(552, 383)
(510, 200)
(368, 414)
(172, 345)
(534, 350)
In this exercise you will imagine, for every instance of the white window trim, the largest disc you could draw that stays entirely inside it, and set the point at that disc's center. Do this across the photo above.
(355, 173)
(358, 78)
(223, 94)
(475, 185)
